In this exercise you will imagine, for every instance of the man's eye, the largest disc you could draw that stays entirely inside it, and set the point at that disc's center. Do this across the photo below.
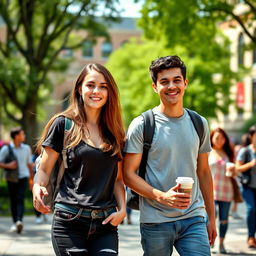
(177, 81)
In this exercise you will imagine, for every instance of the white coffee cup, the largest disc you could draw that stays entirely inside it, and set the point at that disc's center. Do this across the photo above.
(186, 184)
(229, 173)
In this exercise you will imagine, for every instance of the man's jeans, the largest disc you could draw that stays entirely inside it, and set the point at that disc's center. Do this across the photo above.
(80, 236)
(188, 236)
(249, 195)
(17, 194)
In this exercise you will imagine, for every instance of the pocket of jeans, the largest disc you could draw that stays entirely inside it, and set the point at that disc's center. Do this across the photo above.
(64, 216)
(149, 224)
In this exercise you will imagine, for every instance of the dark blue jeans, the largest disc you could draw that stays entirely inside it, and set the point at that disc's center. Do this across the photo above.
(17, 195)
(82, 236)
(249, 195)
(223, 210)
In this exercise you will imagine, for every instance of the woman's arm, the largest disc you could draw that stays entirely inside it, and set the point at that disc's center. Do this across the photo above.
(119, 192)
(41, 178)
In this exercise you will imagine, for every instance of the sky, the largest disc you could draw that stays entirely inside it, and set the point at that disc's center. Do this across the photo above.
(130, 9)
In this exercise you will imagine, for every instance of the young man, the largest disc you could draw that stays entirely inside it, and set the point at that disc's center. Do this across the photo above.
(169, 218)
(17, 188)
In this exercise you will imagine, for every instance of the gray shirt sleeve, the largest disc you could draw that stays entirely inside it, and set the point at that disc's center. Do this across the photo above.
(3, 153)
(134, 137)
(206, 145)
(241, 155)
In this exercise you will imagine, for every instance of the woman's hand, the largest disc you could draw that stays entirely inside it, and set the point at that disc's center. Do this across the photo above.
(115, 218)
(38, 193)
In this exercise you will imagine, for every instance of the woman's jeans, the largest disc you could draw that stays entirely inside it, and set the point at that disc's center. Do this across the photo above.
(223, 210)
(82, 236)
(188, 236)
(249, 195)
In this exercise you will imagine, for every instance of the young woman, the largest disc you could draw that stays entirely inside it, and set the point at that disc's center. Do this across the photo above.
(246, 165)
(222, 152)
(91, 200)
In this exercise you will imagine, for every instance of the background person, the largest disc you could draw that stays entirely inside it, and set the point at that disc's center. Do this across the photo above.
(17, 189)
(91, 200)
(222, 152)
(246, 165)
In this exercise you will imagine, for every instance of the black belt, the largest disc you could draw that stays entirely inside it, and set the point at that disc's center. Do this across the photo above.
(85, 212)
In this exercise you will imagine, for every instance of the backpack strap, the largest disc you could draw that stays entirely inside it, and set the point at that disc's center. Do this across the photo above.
(68, 125)
(148, 133)
(198, 124)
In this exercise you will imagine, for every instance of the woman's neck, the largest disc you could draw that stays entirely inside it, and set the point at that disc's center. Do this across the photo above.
(92, 117)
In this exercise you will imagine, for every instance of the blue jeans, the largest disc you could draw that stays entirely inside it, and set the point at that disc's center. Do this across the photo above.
(188, 236)
(82, 236)
(17, 195)
(223, 216)
(249, 195)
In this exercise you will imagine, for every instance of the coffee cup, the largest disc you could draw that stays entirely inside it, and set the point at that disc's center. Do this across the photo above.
(186, 184)
(229, 165)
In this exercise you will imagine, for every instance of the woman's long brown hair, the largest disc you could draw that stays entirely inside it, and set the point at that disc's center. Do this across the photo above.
(227, 147)
(110, 121)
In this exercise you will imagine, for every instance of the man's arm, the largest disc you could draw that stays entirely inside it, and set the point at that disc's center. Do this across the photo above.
(206, 186)
(169, 198)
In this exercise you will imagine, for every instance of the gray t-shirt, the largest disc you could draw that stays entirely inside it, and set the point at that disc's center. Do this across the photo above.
(173, 153)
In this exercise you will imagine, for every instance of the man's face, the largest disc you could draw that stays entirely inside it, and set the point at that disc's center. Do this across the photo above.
(21, 136)
(170, 86)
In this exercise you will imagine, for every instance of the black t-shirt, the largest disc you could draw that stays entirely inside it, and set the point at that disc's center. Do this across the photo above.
(90, 177)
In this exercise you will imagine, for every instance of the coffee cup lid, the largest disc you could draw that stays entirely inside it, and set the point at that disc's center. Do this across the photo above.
(184, 180)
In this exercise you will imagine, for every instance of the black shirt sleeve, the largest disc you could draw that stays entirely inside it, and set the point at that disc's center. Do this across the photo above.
(54, 138)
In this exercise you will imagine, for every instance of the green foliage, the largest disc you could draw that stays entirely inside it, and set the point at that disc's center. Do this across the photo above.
(130, 67)
(35, 33)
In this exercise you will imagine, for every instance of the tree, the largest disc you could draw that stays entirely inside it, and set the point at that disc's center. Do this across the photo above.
(35, 34)
(129, 65)
(227, 11)
(194, 13)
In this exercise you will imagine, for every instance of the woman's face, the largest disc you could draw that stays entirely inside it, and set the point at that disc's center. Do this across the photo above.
(218, 140)
(94, 90)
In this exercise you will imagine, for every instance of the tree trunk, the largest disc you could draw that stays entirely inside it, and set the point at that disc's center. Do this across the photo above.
(29, 122)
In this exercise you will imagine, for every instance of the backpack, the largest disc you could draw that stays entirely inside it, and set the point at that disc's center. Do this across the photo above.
(11, 175)
(148, 133)
(58, 169)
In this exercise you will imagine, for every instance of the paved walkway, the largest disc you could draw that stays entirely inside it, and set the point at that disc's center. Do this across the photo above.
(35, 239)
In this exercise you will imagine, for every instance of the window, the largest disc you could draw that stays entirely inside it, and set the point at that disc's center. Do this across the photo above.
(106, 49)
(254, 95)
(87, 49)
(254, 51)
(240, 50)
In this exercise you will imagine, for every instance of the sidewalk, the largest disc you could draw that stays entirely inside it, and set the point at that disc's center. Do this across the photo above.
(35, 240)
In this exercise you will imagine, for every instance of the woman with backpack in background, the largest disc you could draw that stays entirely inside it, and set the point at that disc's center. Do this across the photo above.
(245, 164)
(91, 200)
(222, 153)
